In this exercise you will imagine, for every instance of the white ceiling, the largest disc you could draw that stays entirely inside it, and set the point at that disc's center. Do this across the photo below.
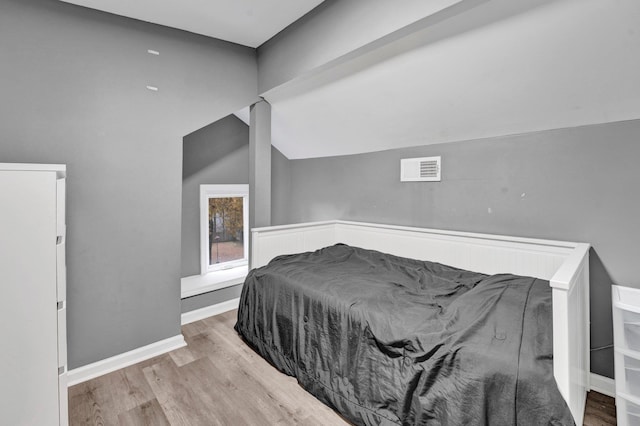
(246, 22)
(564, 64)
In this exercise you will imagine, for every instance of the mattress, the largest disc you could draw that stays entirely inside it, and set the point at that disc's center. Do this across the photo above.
(389, 340)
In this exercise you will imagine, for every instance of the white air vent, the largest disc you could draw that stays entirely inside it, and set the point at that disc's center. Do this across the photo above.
(420, 169)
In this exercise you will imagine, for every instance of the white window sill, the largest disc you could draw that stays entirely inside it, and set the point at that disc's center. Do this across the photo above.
(198, 284)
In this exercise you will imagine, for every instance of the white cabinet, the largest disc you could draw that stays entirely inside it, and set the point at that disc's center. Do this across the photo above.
(33, 357)
(626, 336)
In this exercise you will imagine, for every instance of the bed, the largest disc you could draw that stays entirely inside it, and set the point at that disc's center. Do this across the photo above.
(358, 354)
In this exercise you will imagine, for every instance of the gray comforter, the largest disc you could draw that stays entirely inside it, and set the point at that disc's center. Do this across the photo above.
(389, 340)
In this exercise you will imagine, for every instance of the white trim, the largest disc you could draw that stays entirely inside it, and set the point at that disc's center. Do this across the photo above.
(96, 369)
(33, 167)
(60, 169)
(443, 232)
(209, 311)
(603, 385)
(63, 399)
(199, 284)
(295, 226)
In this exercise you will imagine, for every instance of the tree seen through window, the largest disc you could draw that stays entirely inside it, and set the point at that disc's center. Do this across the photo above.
(226, 225)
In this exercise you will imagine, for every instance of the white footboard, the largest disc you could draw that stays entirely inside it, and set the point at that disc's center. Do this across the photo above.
(571, 363)
(565, 265)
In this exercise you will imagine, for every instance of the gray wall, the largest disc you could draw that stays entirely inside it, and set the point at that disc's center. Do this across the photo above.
(280, 187)
(577, 184)
(72, 91)
(211, 298)
(218, 154)
(215, 154)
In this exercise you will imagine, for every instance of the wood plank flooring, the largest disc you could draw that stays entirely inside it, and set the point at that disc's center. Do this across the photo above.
(218, 380)
(600, 410)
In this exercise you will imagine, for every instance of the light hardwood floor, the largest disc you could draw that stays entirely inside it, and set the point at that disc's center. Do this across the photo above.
(218, 380)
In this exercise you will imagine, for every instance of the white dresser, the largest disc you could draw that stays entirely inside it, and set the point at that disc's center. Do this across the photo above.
(626, 337)
(33, 357)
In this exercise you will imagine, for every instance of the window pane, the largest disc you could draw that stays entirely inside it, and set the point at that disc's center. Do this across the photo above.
(226, 226)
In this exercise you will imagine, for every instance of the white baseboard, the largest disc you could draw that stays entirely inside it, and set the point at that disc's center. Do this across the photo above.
(209, 311)
(91, 371)
(603, 385)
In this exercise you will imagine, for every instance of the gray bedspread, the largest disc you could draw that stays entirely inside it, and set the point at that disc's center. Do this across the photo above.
(388, 340)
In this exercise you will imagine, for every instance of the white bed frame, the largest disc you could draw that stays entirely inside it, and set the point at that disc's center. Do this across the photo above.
(565, 265)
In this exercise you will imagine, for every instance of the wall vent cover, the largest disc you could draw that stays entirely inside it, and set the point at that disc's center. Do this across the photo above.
(425, 169)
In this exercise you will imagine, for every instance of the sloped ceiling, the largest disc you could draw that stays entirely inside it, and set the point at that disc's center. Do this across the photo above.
(246, 22)
(564, 63)
(498, 67)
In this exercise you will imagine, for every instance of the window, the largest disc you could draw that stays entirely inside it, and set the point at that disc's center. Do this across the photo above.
(224, 227)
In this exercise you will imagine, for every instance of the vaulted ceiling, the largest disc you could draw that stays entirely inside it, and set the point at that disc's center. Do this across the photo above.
(544, 65)
(246, 22)
(397, 78)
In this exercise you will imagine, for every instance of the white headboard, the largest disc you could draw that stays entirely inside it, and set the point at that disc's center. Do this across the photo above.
(484, 253)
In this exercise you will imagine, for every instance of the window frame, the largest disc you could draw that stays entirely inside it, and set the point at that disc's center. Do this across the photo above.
(208, 191)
